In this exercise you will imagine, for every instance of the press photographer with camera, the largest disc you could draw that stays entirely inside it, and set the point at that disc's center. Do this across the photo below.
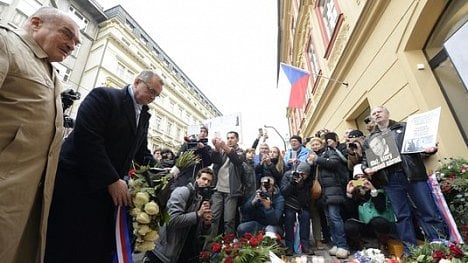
(199, 145)
(354, 148)
(263, 210)
(295, 187)
(190, 215)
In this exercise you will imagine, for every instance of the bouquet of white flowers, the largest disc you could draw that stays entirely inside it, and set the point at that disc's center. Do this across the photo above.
(150, 190)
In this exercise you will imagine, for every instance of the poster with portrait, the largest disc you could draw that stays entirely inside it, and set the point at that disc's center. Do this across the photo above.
(382, 151)
(421, 131)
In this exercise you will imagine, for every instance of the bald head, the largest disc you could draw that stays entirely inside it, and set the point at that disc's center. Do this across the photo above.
(54, 31)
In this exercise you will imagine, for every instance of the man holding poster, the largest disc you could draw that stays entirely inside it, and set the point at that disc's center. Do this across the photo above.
(402, 179)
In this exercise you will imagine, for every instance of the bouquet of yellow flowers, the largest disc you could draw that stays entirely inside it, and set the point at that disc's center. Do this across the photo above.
(150, 190)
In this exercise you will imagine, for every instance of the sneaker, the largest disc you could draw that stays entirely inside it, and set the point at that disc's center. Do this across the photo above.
(342, 253)
(333, 250)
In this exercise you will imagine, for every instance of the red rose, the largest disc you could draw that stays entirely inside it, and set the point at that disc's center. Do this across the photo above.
(254, 242)
(204, 255)
(260, 236)
(237, 245)
(228, 249)
(455, 251)
(229, 237)
(437, 255)
(228, 260)
(216, 247)
(248, 236)
(243, 240)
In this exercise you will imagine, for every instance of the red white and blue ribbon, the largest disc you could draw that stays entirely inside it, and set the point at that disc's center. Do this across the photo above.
(444, 210)
(123, 248)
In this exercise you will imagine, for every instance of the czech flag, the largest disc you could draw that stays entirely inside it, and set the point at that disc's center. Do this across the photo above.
(297, 80)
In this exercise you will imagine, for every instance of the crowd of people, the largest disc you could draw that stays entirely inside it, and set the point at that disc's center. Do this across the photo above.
(59, 204)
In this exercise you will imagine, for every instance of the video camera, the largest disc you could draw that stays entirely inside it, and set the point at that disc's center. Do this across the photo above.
(206, 192)
(68, 97)
(193, 140)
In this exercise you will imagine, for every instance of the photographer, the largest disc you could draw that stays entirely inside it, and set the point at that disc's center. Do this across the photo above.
(295, 187)
(199, 145)
(190, 220)
(354, 148)
(263, 210)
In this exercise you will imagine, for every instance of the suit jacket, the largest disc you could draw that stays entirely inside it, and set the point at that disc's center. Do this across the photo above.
(97, 153)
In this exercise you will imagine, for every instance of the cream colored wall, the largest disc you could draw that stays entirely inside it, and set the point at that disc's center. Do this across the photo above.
(384, 73)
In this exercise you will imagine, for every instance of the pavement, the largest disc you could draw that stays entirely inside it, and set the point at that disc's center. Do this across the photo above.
(321, 256)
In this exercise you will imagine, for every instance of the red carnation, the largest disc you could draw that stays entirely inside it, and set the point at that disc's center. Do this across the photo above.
(228, 260)
(437, 255)
(254, 242)
(455, 251)
(229, 237)
(216, 247)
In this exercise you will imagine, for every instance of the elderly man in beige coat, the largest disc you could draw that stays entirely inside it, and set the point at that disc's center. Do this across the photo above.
(31, 129)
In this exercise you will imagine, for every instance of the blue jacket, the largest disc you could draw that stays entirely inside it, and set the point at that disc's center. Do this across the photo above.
(260, 214)
(302, 155)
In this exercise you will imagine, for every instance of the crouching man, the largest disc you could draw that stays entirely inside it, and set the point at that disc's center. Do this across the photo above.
(190, 220)
(263, 210)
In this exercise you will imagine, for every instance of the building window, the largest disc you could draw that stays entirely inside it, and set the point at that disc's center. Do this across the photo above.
(171, 106)
(79, 18)
(179, 133)
(129, 25)
(62, 71)
(169, 128)
(447, 59)
(19, 18)
(181, 112)
(329, 15)
(157, 122)
(124, 73)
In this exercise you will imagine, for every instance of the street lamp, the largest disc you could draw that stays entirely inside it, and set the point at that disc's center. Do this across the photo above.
(277, 132)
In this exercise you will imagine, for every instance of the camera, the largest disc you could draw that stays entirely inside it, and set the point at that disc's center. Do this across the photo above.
(193, 140)
(296, 175)
(206, 192)
(352, 145)
(68, 97)
(264, 195)
(266, 183)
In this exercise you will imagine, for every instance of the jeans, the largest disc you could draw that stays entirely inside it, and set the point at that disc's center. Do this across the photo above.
(335, 222)
(399, 190)
(304, 226)
(227, 205)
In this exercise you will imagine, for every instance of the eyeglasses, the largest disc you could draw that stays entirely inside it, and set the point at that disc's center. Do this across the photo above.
(152, 91)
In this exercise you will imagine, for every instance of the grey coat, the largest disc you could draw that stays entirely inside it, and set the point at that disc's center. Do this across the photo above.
(182, 208)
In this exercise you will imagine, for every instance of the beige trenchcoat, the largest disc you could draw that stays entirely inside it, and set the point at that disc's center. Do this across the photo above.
(31, 130)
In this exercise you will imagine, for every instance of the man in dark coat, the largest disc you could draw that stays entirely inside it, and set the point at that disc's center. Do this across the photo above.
(110, 132)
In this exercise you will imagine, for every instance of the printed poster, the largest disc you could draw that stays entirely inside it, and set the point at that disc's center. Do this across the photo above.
(421, 131)
(382, 151)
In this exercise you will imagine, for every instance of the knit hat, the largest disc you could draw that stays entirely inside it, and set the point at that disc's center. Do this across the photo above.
(357, 170)
(303, 167)
(355, 134)
(331, 135)
(297, 137)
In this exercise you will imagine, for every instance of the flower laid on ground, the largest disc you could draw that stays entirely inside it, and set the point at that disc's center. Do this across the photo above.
(248, 248)
(149, 188)
(438, 252)
(370, 255)
(452, 175)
